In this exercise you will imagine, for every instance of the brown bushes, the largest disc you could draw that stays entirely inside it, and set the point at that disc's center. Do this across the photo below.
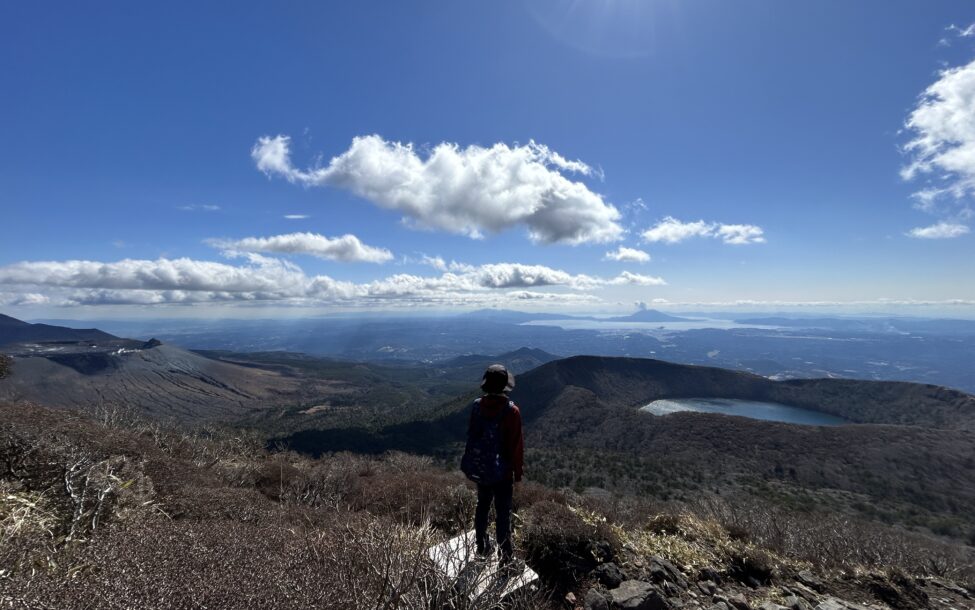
(835, 540)
(752, 566)
(117, 512)
(406, 488)
(562, 546)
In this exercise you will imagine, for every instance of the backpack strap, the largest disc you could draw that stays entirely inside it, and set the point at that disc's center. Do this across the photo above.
(499, 417)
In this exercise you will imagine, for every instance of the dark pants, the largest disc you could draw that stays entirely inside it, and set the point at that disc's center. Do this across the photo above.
(501, 494)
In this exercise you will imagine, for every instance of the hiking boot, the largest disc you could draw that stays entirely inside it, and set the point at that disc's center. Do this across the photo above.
(510, 567)
(485, 551)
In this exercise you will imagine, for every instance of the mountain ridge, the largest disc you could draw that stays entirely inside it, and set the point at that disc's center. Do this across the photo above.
(13, 331)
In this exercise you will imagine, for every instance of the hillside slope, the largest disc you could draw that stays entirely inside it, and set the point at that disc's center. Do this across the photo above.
(155, 379)
(632, 382)
(13, 330)
(583, 430)
(116, 513)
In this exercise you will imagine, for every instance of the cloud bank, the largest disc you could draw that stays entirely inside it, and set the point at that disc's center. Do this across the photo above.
(472, 190)
(262, 279)
(672, 231)
(347, 248)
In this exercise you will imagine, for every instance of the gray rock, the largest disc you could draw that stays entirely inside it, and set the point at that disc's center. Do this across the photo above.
(720, 606)
(661, 569)
(809, 579)
(801, 590)
(739, 602)
(638, 595)
(609, 575)
(794, 602)
(707, 587)
(595, 600)
(771, 606)
(832, 603)
(960, 591)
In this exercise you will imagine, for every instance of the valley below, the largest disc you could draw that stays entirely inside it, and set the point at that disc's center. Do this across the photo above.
(891, 457)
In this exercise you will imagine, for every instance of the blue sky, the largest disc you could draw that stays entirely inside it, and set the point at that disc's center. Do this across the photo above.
(767, 152)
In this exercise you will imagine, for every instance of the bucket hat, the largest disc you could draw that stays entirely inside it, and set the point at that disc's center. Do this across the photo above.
(497, 379)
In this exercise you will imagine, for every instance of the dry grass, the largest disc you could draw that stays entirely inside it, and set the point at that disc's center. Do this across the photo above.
(112, 511)
(838, 541)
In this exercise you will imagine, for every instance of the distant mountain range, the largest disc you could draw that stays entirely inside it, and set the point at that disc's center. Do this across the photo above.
(518, 361)
(13, 330)
(64, 367)
(910, 349)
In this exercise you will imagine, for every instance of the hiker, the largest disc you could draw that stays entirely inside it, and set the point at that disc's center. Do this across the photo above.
(494, 459)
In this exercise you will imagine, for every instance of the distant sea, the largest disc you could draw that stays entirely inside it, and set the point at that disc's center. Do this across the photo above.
(646, 326)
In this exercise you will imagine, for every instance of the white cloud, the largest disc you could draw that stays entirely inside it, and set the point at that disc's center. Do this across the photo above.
(199, 208)
(942, 146)
(962, 32)
(637, 279)
(741, 234)
(438, 263)
(627, 255)
(347, 248)
(643, 306)
(14, 299)
(469, 190)
(672, 231)
(941, 230)
(260, 278)
(297, 216)
(262, 275)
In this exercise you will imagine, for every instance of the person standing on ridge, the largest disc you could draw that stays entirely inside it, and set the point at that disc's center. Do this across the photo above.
(494, 459)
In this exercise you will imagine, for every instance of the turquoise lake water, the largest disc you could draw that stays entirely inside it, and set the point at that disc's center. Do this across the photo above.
(769, 411)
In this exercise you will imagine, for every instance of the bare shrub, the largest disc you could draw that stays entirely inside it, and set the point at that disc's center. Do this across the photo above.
(562, 546)
(407, 488)
(529, 493)
(836, 540)
(376, 564)
(382, 565)
(752, 564)
(28, 525)
(6, 362)
(324, 483)
(203, 445)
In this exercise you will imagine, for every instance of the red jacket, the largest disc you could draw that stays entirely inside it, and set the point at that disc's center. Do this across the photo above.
(512, 441)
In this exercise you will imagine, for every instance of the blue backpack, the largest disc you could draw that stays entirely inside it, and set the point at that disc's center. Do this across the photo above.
(482, 461)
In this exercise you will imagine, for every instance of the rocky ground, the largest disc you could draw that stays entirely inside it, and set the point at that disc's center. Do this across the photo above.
(756, 581)
(669, 588)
